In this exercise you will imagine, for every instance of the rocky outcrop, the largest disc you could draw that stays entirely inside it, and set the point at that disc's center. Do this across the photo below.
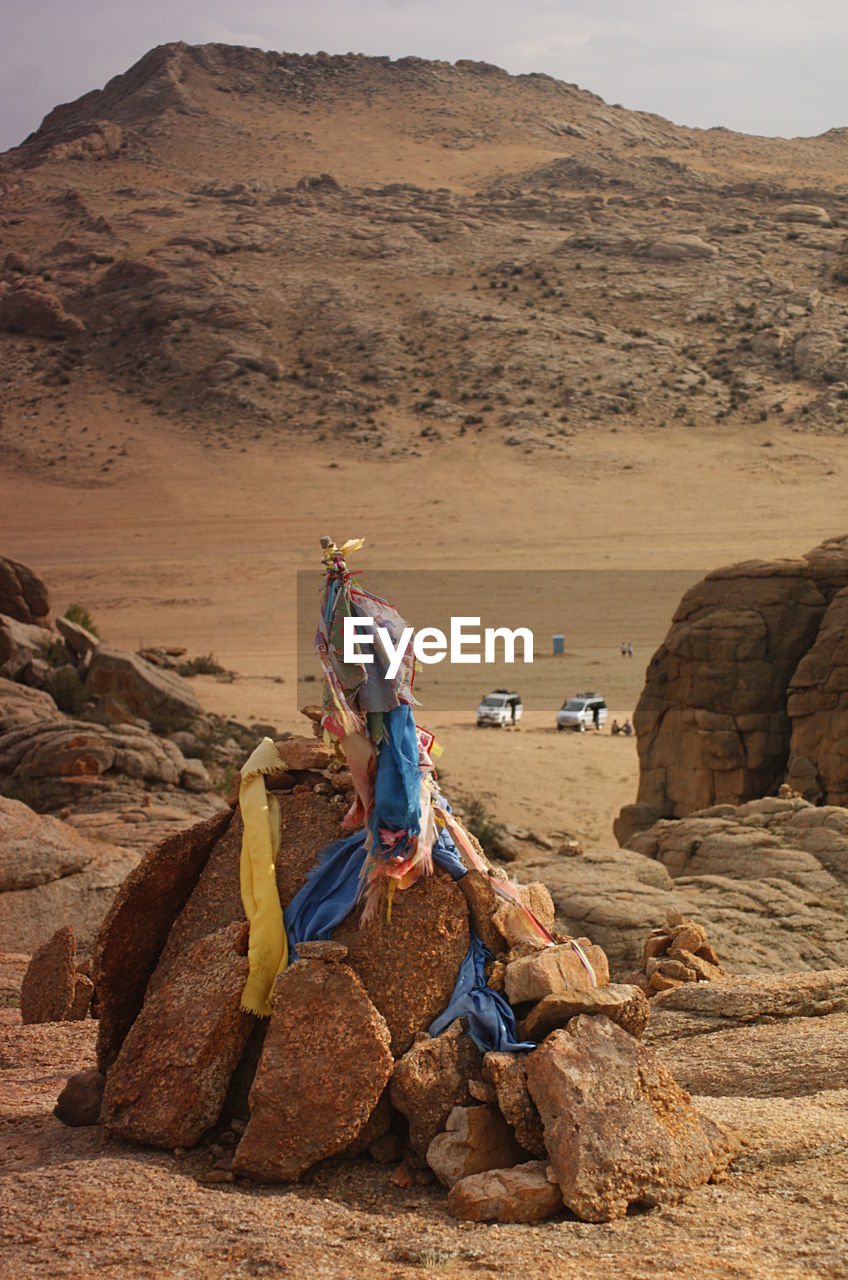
(50, 873)
(36, 312)
(818, 708)
(21, 643)
(124, 680)
(756, 1037)
(744, 688)
(22, 707)
(767, 881)
(23, 595)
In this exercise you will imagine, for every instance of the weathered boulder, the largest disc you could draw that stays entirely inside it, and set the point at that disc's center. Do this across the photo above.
(324, 1065)
(618, 1130)
(36, 312)
(475, 1140)
(80, 641)
(554, 969)
(712, 723)
(431, 1079)
(151, 693)
(428, 936)
(523, 1193)
(170, 1078)
(137, 925)
(771, 1037)
(49, 985)
(67, 748)
(621, 1003)
(20, 644)
(803, 213)
(22, 707)
(818, 708)
(23, 595)
(79, 1102)
(48, 873)
(681, 248)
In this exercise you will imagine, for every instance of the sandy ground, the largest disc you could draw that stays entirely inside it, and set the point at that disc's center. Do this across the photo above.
(199, 547)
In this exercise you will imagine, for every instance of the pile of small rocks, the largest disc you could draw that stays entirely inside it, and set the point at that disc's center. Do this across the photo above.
(676, 953)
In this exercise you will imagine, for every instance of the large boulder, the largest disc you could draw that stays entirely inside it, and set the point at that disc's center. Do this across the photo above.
(148, 692)
(428, 936)
(50, 874)
(713, 722)
(818, 709)
(618, 1129)
(36, 312)
(22, 707)
(324, 1065)
(20, 644)
(49, 985)
(169, 1081)
(23, 595)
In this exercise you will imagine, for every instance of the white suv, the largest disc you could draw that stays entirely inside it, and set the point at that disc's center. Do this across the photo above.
(499, 708)
(583, 711)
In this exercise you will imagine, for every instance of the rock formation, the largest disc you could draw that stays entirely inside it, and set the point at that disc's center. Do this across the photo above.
(767, 881)
(346, 1063)
(745, 690)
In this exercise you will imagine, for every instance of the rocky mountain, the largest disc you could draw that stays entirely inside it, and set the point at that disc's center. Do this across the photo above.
(387, 254)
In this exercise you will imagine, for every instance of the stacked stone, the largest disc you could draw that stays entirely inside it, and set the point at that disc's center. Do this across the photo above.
(345, 1065)
(675, 954)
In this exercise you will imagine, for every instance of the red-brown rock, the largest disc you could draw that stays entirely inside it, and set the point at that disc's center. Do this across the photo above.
(137, 925)
(507, 1072)
(324, 1066)
(410, 964)
(23, 595)
(49, 985)
(554, 969)
(79, 1102)
(168, 1083)
(618, 1129)
(620, 1002)
(431, 1079)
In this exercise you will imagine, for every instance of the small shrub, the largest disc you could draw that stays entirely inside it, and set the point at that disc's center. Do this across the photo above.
(79, 614)
(204, 665)
(68, 692)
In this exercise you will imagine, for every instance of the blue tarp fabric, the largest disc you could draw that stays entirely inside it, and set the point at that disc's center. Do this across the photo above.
(330, 894)
(397, 784)
(491, 1022)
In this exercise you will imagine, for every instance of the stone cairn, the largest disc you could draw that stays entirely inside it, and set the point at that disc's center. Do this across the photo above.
(676, 953)
(345, 1068)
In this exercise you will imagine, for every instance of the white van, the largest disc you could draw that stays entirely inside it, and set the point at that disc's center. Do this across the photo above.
(583, 711)
(499, 708)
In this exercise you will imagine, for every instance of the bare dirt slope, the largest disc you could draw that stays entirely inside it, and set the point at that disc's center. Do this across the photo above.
(489, 296)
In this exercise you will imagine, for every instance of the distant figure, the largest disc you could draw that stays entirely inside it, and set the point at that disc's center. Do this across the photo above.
(616, 727)
(623, 649)
(596, 715)
(627, 729)
(629, 649)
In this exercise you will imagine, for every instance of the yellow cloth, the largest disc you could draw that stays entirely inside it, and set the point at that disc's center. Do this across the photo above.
(268, 952)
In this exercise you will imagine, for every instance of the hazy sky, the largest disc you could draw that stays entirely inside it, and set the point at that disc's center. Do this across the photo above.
(762, 66)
